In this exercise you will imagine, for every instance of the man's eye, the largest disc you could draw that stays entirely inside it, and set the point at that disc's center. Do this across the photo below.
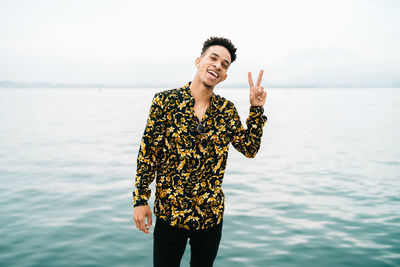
(213, 58)
(225, 66)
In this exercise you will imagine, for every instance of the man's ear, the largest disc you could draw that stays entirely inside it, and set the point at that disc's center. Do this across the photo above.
(197, 62)
(226, 75)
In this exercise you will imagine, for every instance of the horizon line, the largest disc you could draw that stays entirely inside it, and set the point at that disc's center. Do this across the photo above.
(12, 84)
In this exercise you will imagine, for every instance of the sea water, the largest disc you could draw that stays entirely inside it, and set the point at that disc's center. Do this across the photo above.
(323, 190)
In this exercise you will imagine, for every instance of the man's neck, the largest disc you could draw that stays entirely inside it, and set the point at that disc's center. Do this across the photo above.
(201, 92)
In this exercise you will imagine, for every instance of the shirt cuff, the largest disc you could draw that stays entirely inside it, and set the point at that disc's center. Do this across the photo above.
(257, 112)
(138, 199)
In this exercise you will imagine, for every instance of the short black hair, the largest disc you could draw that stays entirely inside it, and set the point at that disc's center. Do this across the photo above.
(222, 42)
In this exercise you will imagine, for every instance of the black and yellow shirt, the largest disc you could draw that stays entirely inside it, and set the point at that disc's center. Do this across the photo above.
(188, 176)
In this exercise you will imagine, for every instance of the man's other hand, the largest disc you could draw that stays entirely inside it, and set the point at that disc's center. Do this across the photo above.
(140, 213)
(257, 93)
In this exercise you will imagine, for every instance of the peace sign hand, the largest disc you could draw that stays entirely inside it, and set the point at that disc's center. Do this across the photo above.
(257, 93)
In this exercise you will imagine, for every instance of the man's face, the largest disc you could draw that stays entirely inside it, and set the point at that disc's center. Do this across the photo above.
(213, 65)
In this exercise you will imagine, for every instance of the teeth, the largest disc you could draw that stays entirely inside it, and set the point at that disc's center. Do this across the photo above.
(213, 73)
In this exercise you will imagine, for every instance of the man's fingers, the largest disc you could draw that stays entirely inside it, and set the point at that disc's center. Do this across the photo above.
(260, 77)
(149, 220)
(140, 214)
(137, 224)
(146, 226)
(145, 229)
(140, 224)
(136, 220)
(260, 91)
(250, 79)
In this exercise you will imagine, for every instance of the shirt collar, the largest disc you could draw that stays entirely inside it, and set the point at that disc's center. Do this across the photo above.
(187, 95)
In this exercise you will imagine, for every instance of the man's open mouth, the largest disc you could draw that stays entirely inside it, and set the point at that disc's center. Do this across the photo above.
(213, 73)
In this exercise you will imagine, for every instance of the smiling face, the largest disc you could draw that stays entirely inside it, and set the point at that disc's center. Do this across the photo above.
(213, 65)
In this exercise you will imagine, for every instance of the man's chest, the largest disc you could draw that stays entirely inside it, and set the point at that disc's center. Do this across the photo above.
(200, 111)
(181, 127)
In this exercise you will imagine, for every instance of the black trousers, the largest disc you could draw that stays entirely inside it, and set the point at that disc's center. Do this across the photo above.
(170, 243)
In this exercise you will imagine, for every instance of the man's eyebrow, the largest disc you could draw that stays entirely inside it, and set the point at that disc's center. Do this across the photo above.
(218, 56)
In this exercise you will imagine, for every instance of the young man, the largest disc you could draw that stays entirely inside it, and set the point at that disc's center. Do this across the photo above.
(185, 147)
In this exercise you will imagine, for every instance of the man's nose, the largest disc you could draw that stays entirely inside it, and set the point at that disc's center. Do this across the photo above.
(217, 65)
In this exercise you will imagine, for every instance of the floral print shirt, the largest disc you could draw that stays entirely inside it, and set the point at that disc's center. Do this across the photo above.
(189, 176)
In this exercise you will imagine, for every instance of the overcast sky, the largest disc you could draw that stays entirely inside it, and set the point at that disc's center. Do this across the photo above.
(156, 42)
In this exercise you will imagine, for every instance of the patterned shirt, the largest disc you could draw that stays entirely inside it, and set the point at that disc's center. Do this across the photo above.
(188, 175)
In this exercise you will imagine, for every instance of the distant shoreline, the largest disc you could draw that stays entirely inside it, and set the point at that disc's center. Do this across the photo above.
(33, 85)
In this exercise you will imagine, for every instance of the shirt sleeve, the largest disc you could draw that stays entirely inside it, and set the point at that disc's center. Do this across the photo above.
(147, 156)
(248, 141)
